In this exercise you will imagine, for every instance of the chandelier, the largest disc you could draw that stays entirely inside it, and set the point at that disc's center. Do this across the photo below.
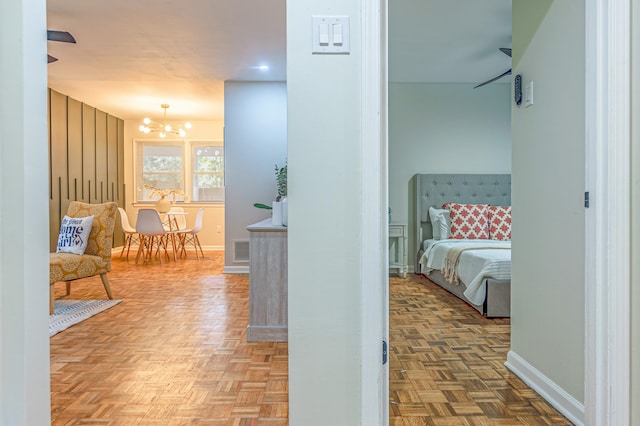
(164, 128)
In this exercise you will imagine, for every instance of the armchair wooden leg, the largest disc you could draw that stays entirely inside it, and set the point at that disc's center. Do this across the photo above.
(51, 288)
(105, 283)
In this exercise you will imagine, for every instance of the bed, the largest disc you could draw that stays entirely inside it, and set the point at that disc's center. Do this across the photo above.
(480, 275)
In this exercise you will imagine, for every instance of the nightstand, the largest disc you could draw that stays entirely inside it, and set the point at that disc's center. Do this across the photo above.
(398, 248)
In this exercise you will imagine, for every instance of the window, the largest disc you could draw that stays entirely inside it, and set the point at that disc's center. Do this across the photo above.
(208, 173)
(194, 168)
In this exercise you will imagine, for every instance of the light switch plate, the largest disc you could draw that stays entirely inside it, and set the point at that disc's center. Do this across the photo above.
(334, 46)
(528, 94)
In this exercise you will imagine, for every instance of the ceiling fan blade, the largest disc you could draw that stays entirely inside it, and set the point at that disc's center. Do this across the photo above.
(508, 72)
(506, 51)
(62, 36)
(51, 59)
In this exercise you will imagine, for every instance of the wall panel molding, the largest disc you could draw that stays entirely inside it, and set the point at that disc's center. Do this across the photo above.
(86, 159)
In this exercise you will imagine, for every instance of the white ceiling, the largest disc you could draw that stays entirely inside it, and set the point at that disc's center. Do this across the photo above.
(133, 55)
(448, 41)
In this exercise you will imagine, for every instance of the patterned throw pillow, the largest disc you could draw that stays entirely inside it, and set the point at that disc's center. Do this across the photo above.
(74, 234)
(500, 222)
(469, 221)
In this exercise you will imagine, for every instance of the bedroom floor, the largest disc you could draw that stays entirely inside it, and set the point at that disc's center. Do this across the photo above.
(446, 364)
(174, 352)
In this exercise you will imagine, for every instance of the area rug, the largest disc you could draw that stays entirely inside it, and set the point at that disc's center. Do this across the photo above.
(69, 312)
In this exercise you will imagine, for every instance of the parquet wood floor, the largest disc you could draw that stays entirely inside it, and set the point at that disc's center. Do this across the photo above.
(446, 363)
(174, 352)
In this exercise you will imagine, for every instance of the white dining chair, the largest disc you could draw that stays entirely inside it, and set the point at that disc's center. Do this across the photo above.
(152, 235)
(130, 233)
(179, 219)
(187, 236)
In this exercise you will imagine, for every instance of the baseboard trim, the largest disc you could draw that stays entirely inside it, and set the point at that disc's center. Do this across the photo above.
(552, 393)
(236, 269)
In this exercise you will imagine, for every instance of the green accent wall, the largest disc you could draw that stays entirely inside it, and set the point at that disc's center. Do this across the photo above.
(526, 21)
(86, 159)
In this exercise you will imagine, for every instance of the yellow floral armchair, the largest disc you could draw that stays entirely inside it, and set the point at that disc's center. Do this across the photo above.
(96, 259)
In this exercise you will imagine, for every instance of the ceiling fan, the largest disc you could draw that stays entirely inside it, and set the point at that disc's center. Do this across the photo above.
(61, 36)
(507, 52)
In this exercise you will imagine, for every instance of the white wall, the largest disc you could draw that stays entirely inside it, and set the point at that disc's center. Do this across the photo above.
(24, 216)
(212, 234)
(255, 115)
(548, 184)
(325, 196)
(444, 128)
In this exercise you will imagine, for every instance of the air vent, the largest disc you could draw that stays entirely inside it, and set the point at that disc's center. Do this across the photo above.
(240, 251)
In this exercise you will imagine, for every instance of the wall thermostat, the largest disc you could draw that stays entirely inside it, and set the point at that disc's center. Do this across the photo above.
(517, 89)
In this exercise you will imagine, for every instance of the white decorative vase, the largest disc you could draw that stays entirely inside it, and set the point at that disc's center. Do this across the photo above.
(276, 213)
(163, 205)
(285, 214)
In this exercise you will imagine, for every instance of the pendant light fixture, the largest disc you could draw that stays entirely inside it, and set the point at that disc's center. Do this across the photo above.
(164, 128)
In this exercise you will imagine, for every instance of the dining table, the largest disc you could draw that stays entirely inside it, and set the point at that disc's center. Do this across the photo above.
(171, 219)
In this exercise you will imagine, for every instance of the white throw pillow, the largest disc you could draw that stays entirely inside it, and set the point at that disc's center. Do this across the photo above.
(74, 234)
(440, 223)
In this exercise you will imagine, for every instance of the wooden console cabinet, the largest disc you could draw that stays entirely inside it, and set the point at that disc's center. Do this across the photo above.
(267, 282)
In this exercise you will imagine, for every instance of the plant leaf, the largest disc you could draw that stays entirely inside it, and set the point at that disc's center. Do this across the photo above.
(261, 206)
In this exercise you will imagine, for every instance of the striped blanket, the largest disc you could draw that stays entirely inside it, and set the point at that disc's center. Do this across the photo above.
(450, 269)
(468, 266)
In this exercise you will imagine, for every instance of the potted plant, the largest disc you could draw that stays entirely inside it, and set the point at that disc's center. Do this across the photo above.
(281, 183)
(280, 218)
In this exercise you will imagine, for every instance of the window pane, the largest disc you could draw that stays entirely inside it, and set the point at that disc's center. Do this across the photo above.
(161, 167)
(208, 173)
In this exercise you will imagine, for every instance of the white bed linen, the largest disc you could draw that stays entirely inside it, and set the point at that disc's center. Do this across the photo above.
(474, 265)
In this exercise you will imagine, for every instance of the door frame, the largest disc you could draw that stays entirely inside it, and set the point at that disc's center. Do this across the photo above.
(374, 230)
(607, 225)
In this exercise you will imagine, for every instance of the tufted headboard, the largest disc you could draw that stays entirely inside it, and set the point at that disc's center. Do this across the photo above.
(434, 190)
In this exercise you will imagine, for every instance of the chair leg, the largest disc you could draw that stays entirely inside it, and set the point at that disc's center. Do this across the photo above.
(193, 241)
(51, 288)
(172, 239)
(196, 244)
(157, 241)
(143, 249)
(128, 246)
(163, 242)
(68, 284)
(182, 240)
(127, 239)
(105, 283)
(198, 241)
